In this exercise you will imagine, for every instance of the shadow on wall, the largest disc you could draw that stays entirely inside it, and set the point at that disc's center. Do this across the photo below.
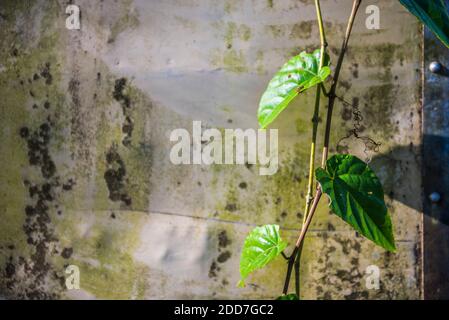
(394, 169)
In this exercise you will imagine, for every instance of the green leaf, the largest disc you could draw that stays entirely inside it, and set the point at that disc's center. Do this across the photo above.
(261, 246)
(290, 296)
(297, 75)
(357, 197)
(434, 14)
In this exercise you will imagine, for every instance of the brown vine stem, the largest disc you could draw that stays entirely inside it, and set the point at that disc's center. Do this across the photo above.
(332, 95)
(331, 102)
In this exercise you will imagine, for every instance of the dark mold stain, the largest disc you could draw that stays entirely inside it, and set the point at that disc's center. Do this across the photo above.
(45, 73)
(10, 270)
(224, 256)
(24, 132)
(68, 185)
(214, 268)
(123, 98)
(248, 165)
(118, 94)
(223, 240)
(115, 177)
(37, 226)
(67, 253)
(73, 89)
(301, 30)
(38, 152)
(355, 70)
(347, 278)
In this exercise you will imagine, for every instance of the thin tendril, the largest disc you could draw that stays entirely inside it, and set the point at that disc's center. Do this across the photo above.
(370, 144)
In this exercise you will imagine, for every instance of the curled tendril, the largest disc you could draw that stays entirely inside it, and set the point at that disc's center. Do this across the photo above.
(370, 144)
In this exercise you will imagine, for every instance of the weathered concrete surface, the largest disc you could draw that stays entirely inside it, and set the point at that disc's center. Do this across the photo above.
(85, 173)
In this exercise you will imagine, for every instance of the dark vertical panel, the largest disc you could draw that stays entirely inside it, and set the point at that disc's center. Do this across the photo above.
(436, 170)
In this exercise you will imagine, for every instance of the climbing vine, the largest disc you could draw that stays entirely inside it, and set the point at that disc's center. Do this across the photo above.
(354, 191)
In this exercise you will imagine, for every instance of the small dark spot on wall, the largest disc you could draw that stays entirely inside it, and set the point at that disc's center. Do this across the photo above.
(214, 268)
(113, 215)
(36, 77)
(47, 105)
(243, 185)
(231, 207)
(346, 113)
(46, 192)
(45, 73)
(68, 185)
(35, 106)
(10, 270)
(345, 84)
(224, 256)
(357, 247)
(29, 210)
(319, 290)
(67, 253)
(24, 132)
(127, 129)
(223, 240)
(302, 30)
(355, 70)
(284, 214)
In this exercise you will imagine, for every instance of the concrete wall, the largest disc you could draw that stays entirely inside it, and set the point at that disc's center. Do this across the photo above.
(85, 176)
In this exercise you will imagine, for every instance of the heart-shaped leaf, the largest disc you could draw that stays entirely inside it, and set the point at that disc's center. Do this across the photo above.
(261, 246)
(297, 75)
(290, 296)
(434, 14)
(357, 197)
